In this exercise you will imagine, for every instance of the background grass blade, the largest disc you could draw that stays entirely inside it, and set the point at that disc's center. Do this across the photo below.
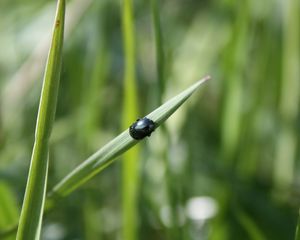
(233, 95)
(102, 158)
(32, 210)
(297, 236)
(130, 169)
(159, 49)
(9, 211)
(159, 90)
(286, 150)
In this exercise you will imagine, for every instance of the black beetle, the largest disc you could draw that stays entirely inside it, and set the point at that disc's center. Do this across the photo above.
(141, 128)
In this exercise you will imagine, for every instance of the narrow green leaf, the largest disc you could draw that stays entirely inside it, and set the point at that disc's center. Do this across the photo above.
(249, 225)
(33, 204)
(9, 212)
(103, 157)
(297, 235)
(159, 48)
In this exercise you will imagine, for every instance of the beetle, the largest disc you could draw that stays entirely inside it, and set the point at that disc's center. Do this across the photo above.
(142, 128)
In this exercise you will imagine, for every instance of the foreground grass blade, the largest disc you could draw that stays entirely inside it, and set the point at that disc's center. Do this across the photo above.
(102, 158)
(130, 173)
(33, 204)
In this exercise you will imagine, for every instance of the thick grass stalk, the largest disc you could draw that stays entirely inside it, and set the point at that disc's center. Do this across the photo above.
(33, 204)
(130, 112)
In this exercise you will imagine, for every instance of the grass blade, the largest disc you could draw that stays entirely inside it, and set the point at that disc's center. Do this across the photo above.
(172, 200)
(9, 212)
(159, 48)
(297, 236)
(130, 176)
(33, 204)
(103, 157)
(286, 146)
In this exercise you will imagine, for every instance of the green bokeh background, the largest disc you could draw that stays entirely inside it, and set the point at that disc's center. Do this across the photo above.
(236, 141)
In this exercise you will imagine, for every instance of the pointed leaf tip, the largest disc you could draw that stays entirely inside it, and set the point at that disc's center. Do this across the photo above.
(163, 112)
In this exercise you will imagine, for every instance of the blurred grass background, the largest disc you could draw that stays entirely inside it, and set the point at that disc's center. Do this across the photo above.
(226, 166)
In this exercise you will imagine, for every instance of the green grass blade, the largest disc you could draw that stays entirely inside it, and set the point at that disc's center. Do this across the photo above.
(249, 225)
(297, 236)
(103, 157)
(9, 212)
(171, 196)
(286, 146)
(234, 63)
(33, 204)
(130, 176)
(160, 56)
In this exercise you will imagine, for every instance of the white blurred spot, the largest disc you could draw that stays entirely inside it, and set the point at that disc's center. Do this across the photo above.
(53, 231)
(201, 208)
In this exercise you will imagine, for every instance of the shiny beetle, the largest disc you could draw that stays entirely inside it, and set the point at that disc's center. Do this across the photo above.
(141, 128)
